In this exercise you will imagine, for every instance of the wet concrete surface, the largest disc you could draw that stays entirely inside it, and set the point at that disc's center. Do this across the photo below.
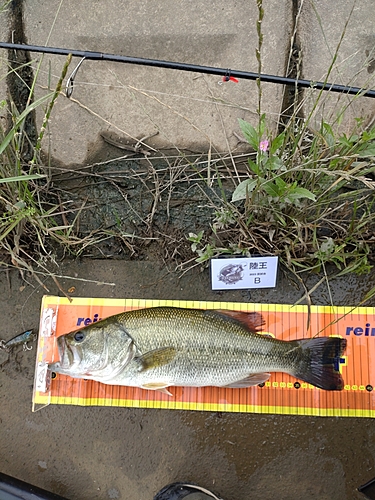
(128, 453)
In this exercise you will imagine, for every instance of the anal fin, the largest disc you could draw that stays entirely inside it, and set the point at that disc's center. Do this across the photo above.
(249, 381)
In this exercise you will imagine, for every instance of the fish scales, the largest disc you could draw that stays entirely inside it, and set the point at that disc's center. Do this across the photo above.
(209, 347)
(159, 347)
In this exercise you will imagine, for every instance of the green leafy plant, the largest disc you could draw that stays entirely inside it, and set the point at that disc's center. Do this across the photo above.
(270, 179)
(308, 198)
(308, 193)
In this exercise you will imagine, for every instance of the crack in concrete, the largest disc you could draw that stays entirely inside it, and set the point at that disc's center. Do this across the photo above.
(20, 79)
(293, 69)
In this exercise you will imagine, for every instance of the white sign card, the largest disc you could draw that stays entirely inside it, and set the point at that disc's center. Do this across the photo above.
(246, 272)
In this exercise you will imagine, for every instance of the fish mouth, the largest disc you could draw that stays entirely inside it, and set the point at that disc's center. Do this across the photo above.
(70, 356)
(73, 362)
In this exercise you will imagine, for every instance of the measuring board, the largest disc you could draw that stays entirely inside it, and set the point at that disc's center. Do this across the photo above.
(281, 394)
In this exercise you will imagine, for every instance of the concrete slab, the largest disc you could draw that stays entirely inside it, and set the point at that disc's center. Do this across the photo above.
(188, 110)
(321, 28)
(125, 453)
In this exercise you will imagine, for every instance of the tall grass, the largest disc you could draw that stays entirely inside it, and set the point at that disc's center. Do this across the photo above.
(308, 195)
(29, 219)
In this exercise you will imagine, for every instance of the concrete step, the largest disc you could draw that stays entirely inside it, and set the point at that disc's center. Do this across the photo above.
(186, 110)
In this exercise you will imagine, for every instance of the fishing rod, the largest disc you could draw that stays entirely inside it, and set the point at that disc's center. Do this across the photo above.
(226, 74)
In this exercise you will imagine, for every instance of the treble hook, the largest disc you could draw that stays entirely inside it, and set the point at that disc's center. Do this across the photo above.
(22, 338)
(70, 81)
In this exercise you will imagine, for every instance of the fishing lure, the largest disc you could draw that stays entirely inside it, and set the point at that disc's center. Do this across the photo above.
(22, 338)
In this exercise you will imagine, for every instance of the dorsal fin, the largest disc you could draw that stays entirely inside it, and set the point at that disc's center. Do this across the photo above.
(252, 321)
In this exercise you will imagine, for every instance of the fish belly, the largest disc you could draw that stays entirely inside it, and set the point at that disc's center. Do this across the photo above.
(184, 372)
(209, 350)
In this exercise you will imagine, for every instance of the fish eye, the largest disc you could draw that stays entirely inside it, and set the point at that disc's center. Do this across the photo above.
(79, 336)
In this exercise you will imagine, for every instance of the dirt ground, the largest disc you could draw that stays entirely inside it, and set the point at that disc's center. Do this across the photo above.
(122, 453)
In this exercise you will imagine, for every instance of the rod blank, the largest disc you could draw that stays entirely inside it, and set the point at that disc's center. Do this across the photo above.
(245, 75)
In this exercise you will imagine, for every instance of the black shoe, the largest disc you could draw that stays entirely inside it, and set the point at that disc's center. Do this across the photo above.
(179, 491)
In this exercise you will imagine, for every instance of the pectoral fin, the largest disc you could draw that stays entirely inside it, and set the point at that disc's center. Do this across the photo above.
(157, 386)
(156, 358)
(253, 379)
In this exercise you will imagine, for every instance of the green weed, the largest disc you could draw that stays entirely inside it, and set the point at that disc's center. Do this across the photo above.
(29, 220)
(308, 195)
(308, 199)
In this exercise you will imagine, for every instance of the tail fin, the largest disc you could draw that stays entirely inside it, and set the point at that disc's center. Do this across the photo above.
(320, 362)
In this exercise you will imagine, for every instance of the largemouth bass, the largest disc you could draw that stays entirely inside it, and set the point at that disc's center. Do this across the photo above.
(159, 347)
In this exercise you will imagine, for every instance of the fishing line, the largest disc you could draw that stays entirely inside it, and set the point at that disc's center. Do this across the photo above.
(226, 74)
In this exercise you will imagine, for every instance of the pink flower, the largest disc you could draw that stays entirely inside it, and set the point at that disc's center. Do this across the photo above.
(263, 145)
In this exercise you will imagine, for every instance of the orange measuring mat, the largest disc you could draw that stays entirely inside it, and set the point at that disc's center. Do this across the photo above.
(281, 394)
